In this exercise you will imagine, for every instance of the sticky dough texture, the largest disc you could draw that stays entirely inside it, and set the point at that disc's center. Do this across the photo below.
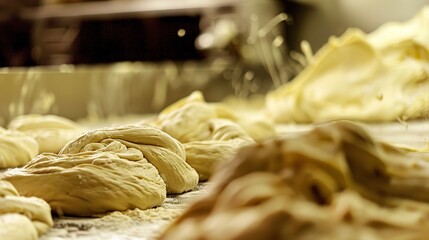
(334, 182)
(160, 149)
(381, 76)
(205, 131)
(16, 148)
(108, 169)
(21, 217)
(90, 183)
(50, 131)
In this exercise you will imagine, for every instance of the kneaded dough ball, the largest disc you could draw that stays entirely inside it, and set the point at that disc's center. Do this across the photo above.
(16, 148)
(51, 132)
(91, 182)
(249, 114)
(160, 149)
(22, 217)
(223, 141)
(196, 110)
(207, 137)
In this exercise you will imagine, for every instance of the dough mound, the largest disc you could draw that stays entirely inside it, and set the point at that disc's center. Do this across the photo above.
(51, 132)
(21, 217)
(249, 113)
(16, 148)
(160, 149)
(386, 78)
(334, 182)
(91, 182)
(208, 137)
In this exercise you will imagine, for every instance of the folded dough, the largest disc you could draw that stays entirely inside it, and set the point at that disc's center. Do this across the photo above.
(250, 120)
(206, 131)
(334, 182)
(161, 150)
(381, 76)
(50, 131)
(21, 217)
(16, 148)
(116, 168)
(89, 183)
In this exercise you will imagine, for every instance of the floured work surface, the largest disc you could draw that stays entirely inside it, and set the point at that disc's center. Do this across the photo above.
(130, 224)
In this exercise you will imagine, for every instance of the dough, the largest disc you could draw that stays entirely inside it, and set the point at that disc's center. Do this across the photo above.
(161, 150)
(108, 169)
(222, 143)
(16, 148)
(51, 132)
(116, 168)
(204, 131)
(381, 76)
(14, 226)
(90, 182)
(21, 217)
(334, 182)
(247, 116)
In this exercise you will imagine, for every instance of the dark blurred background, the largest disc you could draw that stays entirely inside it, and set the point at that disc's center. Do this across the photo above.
(52, 32)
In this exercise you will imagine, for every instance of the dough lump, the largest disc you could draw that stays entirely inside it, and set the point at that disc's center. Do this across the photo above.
(108, 169)
(90, 182)
(334, 182)
(252, 121)
(380, 76)
(207, 135)
(16, 148)
(51, 132)
(160, 149)
(249, 114)
(21, 217)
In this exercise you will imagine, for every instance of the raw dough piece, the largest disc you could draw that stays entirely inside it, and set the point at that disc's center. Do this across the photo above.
(16, 148)
(334, 182)
(14, 226)
(22, 218)
(204, 131)
(249, 114)
(164, 152)
(248, 117)
(381, 76)
(91, 182)
(51, 132)
(224, 140)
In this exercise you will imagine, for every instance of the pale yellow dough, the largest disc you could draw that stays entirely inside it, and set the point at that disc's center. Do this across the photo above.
(207, 132)
(381, 76)
(90, 183)
(116, 168)
(16, 148)
(334, 182)
(160, 149)
(22, 218)
(51, 132)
